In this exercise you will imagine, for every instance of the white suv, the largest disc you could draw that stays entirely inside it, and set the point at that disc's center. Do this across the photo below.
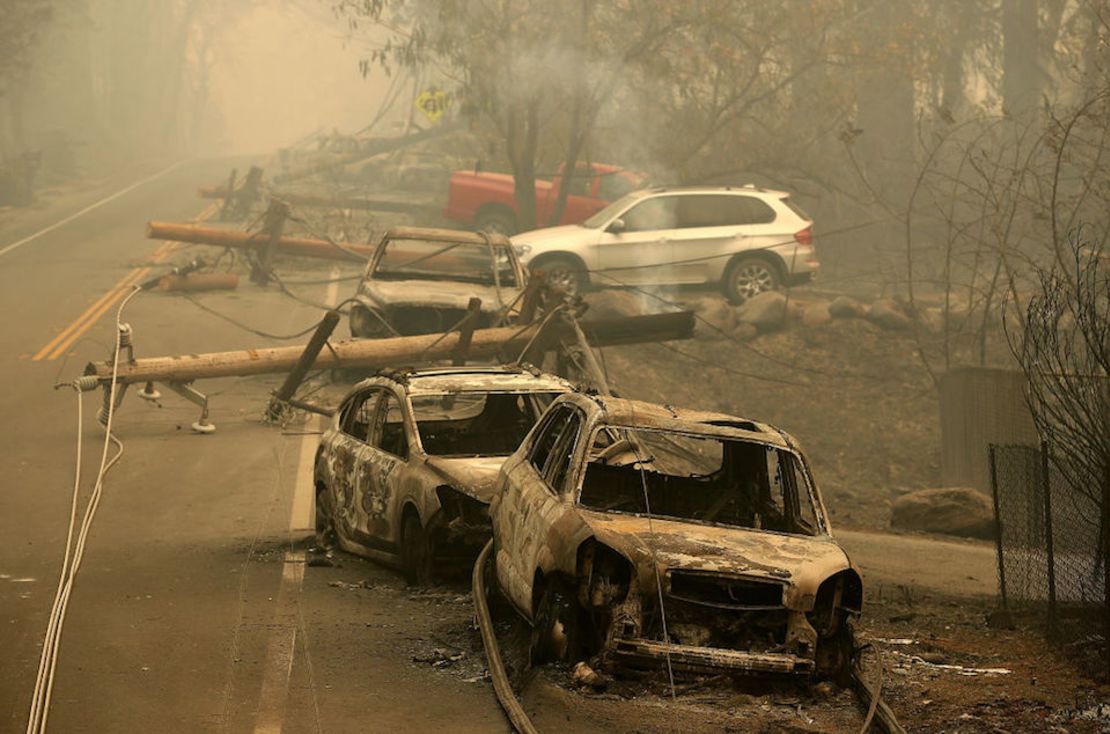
(747, 239)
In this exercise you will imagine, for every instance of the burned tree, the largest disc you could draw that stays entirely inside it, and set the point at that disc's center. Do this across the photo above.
(1063, 347)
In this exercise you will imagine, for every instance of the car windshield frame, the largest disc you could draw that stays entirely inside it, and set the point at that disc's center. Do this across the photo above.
(603, 217)
(507, 276)
(810, 493)
(534, 393)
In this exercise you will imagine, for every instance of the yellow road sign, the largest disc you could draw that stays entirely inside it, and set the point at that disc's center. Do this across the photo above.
(434, 103)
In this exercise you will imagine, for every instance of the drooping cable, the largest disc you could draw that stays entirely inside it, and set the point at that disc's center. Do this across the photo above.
(75, 551)
(635, 444)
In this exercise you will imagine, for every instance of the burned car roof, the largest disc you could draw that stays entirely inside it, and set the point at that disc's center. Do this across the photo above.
(439, 234)
(438, 380)
(636, 413)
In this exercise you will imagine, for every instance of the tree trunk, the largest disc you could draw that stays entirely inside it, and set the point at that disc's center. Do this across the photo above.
(523, 139)
(1021, 72)
(579, 129)
(885, 96)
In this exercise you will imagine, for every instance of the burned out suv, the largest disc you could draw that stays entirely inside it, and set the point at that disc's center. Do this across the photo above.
(650, 535)
(420, 281)
(404, 471)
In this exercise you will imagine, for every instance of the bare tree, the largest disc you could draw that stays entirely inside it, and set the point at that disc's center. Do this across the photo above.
(1063, 346)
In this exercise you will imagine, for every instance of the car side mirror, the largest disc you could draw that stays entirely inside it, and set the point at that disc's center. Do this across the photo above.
(616, 226)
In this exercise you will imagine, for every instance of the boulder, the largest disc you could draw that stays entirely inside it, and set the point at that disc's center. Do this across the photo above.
(845, 307)
(816, 314)
(949, 510)
(889, 315)
(766, 311)
(615, 303)
(744, 332)
(932, 320)
(716, 318)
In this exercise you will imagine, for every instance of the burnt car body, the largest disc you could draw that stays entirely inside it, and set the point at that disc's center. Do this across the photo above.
(648, 536)
(420, 281)
(405, 469)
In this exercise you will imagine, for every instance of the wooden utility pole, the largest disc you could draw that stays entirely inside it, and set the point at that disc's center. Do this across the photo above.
(257, 241)
(503, 343)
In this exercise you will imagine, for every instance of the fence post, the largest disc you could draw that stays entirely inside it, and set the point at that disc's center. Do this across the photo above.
(1048, 535)
(997, 526)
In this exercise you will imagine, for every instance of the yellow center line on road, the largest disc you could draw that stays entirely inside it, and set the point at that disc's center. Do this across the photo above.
(93, 312)
(68, 336)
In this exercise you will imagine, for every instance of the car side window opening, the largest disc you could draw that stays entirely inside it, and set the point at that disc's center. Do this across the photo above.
(560, 463)
(651, 214)
(702, 478)
(359, 415)
(549, 432)
(390, 435)
(722, 210)
(474, 424)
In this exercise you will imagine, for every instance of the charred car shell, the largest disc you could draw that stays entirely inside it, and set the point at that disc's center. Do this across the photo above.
(405, 470)
(601, 579)
(420, 281)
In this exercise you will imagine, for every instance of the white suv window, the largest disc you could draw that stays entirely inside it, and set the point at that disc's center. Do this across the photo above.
(657, 212)
(722, 210)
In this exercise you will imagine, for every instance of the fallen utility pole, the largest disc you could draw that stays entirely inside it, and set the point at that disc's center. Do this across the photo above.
(293, 381)
(505, 344)
(506, 341)
(258, 241)
(332, 202)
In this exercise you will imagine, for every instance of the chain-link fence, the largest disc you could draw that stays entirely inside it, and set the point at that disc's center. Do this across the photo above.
(1049, 555)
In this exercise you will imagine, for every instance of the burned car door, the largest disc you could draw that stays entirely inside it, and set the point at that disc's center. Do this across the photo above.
(387, 455)
(535, 501)
(348, 459)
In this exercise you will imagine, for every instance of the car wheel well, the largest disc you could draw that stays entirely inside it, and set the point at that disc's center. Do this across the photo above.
(771, 258)
(604, 575)
(409, 510)
(838, 598)
(492, 211)
(541, 580)
(547, 257)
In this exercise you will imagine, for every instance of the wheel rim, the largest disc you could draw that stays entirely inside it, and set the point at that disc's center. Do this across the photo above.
(751, 279)
(564, 279)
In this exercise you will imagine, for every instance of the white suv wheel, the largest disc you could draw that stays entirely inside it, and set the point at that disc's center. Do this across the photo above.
(750, 277)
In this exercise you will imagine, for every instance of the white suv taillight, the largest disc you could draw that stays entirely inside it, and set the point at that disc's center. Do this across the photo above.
(804, 236)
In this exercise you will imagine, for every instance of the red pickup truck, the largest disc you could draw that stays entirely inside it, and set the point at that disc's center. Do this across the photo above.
(486, 201)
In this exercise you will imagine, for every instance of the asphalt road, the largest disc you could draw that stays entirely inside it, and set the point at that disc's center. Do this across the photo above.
(193, 610)
(190, 612)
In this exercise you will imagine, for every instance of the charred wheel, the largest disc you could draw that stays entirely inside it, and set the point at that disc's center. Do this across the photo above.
(562, 274)
(558, 627)
(836, 654)
(416, 551)
(325, 516)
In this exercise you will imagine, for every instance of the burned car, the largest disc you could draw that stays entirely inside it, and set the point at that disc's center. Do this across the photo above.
(651, 536)
(405, 470)
(420, 281)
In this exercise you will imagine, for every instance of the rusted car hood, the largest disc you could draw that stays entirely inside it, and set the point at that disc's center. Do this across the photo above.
(433, 293)
(475, 476)
(799, 561)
